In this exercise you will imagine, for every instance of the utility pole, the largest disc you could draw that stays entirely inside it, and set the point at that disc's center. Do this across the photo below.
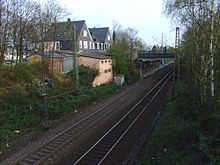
(72, 29)
(54, 40)
(177, 43)
(75, 57)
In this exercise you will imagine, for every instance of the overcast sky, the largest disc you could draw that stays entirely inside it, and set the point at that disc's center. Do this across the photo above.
(144, 15)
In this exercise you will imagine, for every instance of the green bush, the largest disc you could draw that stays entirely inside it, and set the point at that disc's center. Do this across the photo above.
(13, 100)
(34, 112)
(86, 74)
(24, 72)
(132, 76)
(187, 131)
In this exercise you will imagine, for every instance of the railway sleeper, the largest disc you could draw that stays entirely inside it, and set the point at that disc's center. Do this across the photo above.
(58, 142)
(98, 152)
(36, 157)
(53, 145)
(44, 151)
(109, 143)
(68, 135)
(48, 147)
(77, 130)
(64, 137)
(22, 163)
(102, 149)
(41, 153)
(92, 159)
(115, 136)
(29, 160)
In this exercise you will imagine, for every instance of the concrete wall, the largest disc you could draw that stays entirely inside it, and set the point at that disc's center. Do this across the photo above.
(104, 66)
(90, 62)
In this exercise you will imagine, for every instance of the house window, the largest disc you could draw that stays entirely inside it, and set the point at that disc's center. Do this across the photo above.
(102, 46)
(57, 45)
(90, 45)
(85, 44)
(105, 61)
(102, 62)
(107, 70)
(109, 38)
(109, 61)
(80, 44)
(98, 46)
(93, 45)
(85, 33)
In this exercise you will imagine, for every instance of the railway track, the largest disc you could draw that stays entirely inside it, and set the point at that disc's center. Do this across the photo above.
(85, 121)
(100, 150)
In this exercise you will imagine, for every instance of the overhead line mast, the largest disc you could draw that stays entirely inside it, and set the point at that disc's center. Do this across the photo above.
(177, 44)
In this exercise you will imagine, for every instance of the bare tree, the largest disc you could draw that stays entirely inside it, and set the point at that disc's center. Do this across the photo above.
(201, 21)
(4, 27)
(23, 17)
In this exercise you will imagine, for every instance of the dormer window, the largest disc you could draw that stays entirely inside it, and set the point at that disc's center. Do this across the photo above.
(85, 33)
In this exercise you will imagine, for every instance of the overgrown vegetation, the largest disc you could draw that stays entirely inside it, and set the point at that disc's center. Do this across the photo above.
(87, 75)
(22, 106)
(187, 133)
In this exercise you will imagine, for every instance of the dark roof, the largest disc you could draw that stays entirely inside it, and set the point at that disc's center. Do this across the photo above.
(94, 55)
(78, 25)
(64, 30)
(99, 33)
(60, 54)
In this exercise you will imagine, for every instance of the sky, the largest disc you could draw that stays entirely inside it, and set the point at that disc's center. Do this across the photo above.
(143, 15)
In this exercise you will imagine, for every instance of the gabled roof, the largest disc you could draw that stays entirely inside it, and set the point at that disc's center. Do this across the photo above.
(64, 30)
(99, 33)
(78, 25)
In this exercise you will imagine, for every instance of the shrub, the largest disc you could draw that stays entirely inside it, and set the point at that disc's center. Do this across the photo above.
(86, 74)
